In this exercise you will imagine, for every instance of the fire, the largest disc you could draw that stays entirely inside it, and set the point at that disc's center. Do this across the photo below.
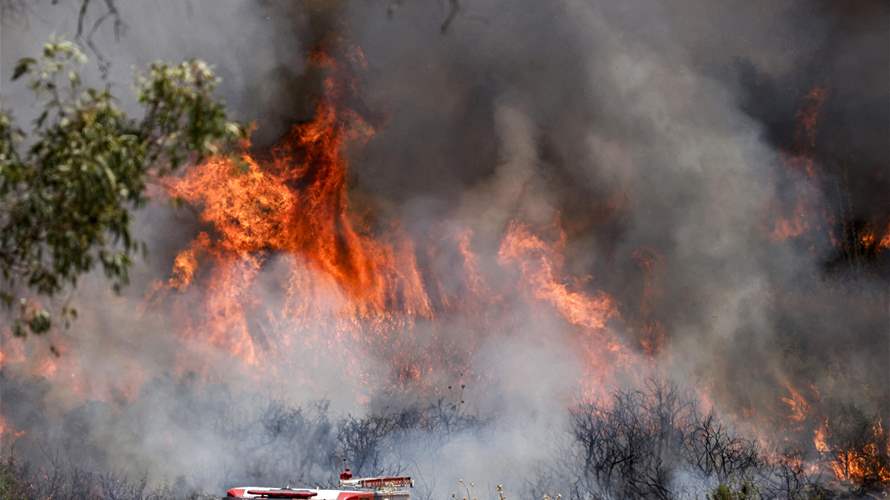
(284, 221)
(867, 238)
(653, 336)
(475, 282)
(797, 405)
(7, 433)
(345, 278)
(819, 436)
(539, 265)
(50, 358)
(861, 466)
(540, 268)
(808, 116)
(791, 226)
(871, 240)
(800, 217)
(866, 464)
(296, 204)
(885, 240)
(801, 158)
(185, 265)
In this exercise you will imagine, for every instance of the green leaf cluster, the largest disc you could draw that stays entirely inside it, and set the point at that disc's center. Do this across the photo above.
(69, 187)
(745, 491)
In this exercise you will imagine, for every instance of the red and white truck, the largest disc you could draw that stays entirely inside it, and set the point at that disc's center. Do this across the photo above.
(363, 488)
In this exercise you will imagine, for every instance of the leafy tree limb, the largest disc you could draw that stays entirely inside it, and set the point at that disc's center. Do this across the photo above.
(69, 187)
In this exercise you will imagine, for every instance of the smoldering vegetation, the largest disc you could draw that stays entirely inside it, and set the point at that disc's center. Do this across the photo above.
(654, 442)
(226, 439)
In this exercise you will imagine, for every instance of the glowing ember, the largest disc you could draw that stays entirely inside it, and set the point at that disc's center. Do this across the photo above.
(871, 240)
(867, 238)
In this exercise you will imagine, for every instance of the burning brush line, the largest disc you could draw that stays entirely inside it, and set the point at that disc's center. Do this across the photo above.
(864, 458)
(296, 203)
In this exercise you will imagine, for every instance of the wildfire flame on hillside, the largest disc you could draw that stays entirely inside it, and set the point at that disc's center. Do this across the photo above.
(350, 279)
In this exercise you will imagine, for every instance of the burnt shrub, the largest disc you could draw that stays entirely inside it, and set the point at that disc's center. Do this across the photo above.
(655, 443)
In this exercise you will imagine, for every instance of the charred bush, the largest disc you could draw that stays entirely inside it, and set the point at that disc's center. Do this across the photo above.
(655, 443)
(361, 441)
(713, 451)
(629, 447)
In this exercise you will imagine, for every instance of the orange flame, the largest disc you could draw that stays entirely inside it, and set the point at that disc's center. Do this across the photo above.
(653, 336)
(284, 263)
(540, 268)
(539, 265)
(295, 203)
(865, 465)
(801, 158)
(808, 117)
(7, 433)
(358, 276)
(819, 436)
(791, 226)
(885, 240)
(797, 405)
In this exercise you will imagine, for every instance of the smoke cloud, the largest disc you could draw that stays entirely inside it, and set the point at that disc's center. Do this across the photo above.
(660, 138)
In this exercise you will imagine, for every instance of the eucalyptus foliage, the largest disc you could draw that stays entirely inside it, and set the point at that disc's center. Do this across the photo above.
(69, 186)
